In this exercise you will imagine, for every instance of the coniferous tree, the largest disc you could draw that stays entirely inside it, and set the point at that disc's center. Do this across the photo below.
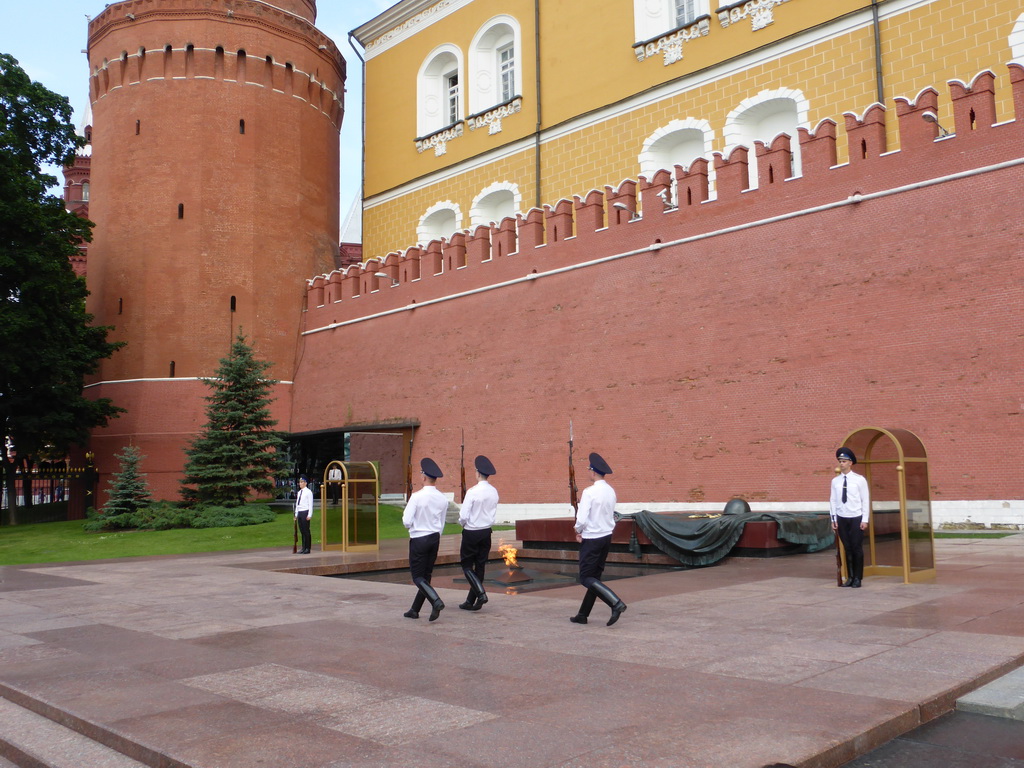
(238, 451)
(47, 340)
(129, 491)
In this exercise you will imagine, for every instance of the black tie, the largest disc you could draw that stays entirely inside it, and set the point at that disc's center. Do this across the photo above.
(844, 490)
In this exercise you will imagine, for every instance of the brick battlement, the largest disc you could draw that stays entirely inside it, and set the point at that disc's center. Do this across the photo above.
(219, 58)
(644, 217)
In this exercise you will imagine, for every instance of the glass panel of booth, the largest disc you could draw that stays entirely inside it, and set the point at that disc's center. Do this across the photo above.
(919, 516)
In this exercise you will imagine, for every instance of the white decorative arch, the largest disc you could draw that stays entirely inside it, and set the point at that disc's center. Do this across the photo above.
(762, 118)
(678, 143)
(494, 203)
(1017, 39)
(494, 54)
(432, 89)
(439, 220)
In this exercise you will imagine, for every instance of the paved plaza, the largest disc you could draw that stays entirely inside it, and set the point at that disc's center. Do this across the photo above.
(228, 661)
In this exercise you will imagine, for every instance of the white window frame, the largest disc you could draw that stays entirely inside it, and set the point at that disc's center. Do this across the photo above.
(654, 18)
(432, 89)
(485, 87)
(506, 72)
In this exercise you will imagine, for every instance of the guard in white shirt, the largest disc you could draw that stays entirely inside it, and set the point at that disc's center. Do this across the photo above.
(594, 525)
(476, 518)
(424, 517)
(850, 508)
(304, 513)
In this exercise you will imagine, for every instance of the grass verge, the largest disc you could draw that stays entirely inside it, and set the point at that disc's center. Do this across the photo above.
(67, 541)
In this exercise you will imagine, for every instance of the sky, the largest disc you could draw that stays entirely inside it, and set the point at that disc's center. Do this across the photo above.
(47, 37)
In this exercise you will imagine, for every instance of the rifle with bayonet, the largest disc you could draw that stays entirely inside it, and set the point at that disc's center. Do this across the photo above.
(462, 467)
(574, 491)
(408, 473)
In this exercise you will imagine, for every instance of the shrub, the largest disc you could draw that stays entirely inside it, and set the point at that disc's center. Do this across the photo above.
(229, 517)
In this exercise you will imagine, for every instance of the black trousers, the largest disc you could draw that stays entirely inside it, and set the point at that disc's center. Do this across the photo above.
(852, 537)
(422, 554)
(304, 530)
(475, 548)
(593, 554)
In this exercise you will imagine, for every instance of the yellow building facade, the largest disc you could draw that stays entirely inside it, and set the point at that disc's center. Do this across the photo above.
(480, 109)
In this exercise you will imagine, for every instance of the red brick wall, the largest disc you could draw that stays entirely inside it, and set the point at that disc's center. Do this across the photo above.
(732, 364)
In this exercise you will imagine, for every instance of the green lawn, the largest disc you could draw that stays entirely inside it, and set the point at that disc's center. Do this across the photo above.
(62, 542)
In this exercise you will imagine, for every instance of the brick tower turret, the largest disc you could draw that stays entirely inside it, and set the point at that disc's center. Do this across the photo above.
(215, 194)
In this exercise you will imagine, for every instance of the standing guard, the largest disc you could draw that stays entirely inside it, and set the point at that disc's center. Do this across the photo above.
(424, 517)
(594, 525)
(850, 508)
(479, 506)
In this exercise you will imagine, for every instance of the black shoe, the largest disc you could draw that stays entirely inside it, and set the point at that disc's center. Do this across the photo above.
(435, 611)
(856, 584)
(578, 619)
(468, 606)
(411, 614)
(476, 588)
(610, 599)
(848, 582)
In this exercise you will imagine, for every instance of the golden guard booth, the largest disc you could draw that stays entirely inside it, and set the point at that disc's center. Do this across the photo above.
(353, 523)
(900, 538)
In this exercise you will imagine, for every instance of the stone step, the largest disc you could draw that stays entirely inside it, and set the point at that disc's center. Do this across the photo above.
(29, 740)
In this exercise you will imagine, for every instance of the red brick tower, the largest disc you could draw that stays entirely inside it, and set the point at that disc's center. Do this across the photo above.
(215, 195)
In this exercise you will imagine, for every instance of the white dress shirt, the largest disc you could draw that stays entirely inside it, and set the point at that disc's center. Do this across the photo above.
(425, 512)
(304, 503)
(596, 517)
(479, 507)
(858, 499)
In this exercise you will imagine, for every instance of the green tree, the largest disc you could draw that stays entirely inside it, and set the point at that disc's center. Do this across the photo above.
(238, 451)
(47, 345)
(129, 492)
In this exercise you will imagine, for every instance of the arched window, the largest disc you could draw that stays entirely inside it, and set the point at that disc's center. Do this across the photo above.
(439, 220)
(495, 203)
(762, 118)
(654, 18)
(678, 143)
(439, 90)
(494, 68)
(1017, 39)
(85, 191)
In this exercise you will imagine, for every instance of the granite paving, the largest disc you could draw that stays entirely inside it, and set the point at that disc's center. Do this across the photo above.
(256, 659)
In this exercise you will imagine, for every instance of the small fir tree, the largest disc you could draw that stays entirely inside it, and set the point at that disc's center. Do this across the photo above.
(128, 489)
(238, 452)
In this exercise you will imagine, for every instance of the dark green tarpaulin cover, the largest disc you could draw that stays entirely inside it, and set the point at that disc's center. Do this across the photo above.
(699, 541)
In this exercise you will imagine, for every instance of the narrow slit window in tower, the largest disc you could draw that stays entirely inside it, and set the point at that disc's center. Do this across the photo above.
(241, 126)
(181, 210)
(171, 370)
(233, 304)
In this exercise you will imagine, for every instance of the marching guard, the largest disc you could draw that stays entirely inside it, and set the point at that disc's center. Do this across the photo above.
(594, 525)
(476, 518)
(424, 517)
